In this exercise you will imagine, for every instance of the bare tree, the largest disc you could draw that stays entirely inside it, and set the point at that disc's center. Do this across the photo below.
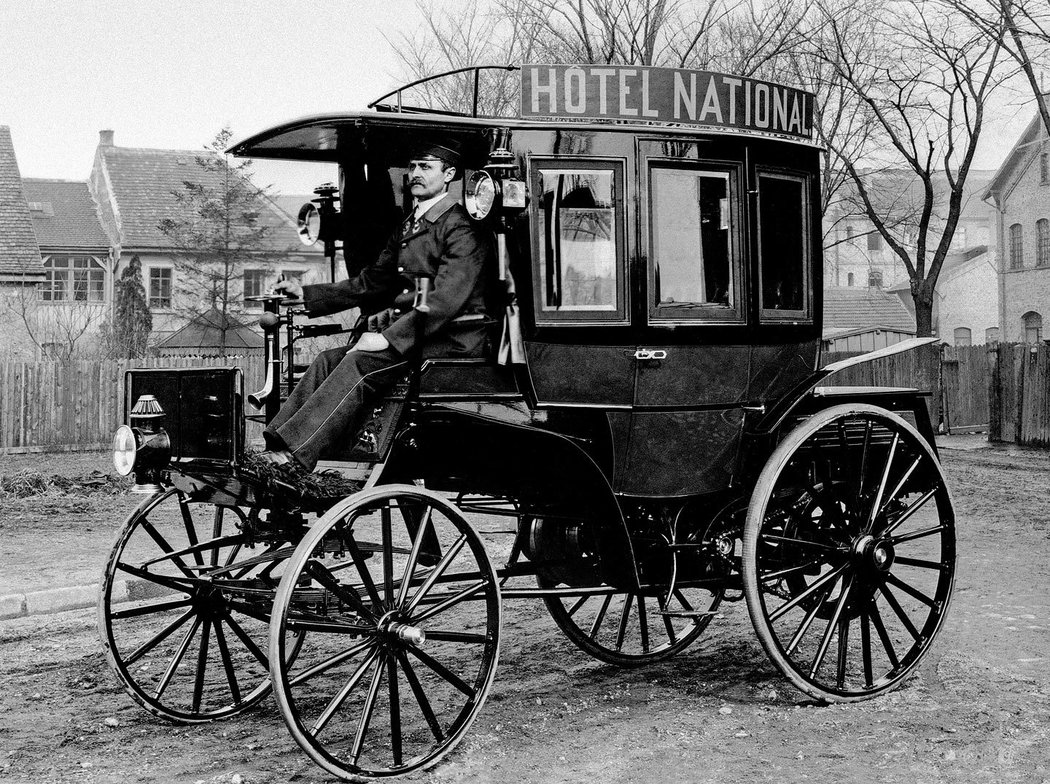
(923, 78)
(63, 329)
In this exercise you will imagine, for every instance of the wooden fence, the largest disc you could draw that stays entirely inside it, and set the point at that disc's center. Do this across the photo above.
(56, 406)
(49, 406)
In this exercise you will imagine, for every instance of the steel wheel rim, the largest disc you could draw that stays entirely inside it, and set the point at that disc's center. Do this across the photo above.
(858, 620)
(380, 650)
(220, 640)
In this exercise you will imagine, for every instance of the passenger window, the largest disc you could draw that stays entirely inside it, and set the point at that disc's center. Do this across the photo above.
(694, 271)
(783, 246)
(579, 239)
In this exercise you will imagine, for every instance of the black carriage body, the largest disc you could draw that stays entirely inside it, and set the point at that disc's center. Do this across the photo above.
(695, 296)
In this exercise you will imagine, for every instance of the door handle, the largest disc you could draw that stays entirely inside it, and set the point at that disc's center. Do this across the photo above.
(650, 353)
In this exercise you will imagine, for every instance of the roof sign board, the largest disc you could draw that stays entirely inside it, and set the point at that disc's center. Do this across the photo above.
(665, 95)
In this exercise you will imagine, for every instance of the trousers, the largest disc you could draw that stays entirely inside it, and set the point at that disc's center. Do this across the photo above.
(327, 405)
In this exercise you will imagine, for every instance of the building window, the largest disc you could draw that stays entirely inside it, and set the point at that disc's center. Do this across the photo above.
(849, 279)
(254, 286)
(991, 335)
(963, 337)
(160, 287)
(875, 279)
(849, 233)
(1016, 247)
(1033, 327)
(73, 279)
(579, 241)
(1044, 168)
(959, 238)
(1042, 250)
(874, 240)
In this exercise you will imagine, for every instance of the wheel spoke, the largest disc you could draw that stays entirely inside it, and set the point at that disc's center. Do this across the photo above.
(917, 534)
(330, 662)
(180, 584)
(156, 639)
(801, 543)
(668, 626)
(865, 646)
(177, 658)
(366, 713)
(191, 528)
(388, 556)
(421, 697)
(829, 631)
(891, 600)
(921, 564)
(216, 533)
(813, 588)
(149, 609)
(327, 627)
(359, 562)
(909, 589)
(451, 601)
(806, 622)
(248, 642)
(196, 549)
(880, 628)
(625, 613)
(912, 509)
(413, 557)
(443, 671)
(596, 625)
(840, 676)
(395, 710)
(227, 662)
(337, 702)
(578, 604)
(900, 485)
(643, 624)
(769, 577)
(864, 451)
(432, 578)
(202, 664)
(876, 505)
(442, 635)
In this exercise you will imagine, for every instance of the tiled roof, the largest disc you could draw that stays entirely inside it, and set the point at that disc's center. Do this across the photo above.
(853, 307)
(64, 215)
(19, 252)
(203, 333)
(143, 183)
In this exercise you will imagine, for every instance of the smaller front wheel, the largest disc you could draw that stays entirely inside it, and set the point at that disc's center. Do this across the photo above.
(403, 609)
(849, 553)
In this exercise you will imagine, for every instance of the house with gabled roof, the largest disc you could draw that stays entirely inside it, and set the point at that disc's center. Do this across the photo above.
(864, 319)
(134, 190)
(1020, 193)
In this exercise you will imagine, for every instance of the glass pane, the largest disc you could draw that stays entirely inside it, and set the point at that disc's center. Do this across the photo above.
(578, 234)
(691, 238)
(782, 241)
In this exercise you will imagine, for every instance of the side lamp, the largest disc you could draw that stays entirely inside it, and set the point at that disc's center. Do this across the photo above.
(143, 446)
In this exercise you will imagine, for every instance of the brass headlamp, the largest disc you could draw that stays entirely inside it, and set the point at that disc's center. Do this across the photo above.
(143, 446)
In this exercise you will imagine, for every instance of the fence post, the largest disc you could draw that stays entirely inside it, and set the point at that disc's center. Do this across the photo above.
(995, 390)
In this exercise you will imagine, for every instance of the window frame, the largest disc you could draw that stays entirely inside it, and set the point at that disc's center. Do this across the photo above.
(263, 274)
(1016, 245)
(1042, 242)
(706, 313)
(68, 275)
(965, 334)
(148, 271)
(773, 315)
(1032, 321)
(620, 315)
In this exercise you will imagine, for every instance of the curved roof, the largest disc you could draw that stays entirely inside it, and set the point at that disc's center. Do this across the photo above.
(327, 137)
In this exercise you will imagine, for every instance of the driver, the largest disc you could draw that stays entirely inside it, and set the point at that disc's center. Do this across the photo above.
(437, 240)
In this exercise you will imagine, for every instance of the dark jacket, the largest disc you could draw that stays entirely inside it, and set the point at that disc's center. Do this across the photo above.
(451, 249)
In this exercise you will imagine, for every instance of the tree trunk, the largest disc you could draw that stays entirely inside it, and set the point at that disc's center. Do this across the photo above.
(929, 378)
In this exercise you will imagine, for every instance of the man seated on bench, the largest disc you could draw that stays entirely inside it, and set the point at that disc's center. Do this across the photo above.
(438, 241)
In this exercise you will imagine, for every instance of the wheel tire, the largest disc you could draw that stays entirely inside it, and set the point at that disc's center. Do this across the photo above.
(849, 553)
(185, 632)
(402, 609)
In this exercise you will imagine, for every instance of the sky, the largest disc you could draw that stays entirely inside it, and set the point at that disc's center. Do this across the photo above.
(171, 73)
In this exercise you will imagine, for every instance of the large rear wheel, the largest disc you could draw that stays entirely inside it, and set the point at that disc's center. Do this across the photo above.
(849, 553)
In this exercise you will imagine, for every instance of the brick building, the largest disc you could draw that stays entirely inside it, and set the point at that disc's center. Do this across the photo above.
(1020, 193)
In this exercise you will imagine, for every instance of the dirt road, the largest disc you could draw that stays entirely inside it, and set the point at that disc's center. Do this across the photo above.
(977, 711)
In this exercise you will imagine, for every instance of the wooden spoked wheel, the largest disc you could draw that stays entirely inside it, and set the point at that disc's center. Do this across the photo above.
(184, 608)
(849, 552)
(402, 610)
(631, 629)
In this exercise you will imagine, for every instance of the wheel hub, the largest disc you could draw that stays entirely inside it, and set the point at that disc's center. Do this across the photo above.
(876, 554)
(391, 629)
